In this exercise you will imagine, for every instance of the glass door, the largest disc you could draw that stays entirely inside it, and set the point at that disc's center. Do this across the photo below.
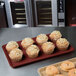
(46, 12)
(16, 13)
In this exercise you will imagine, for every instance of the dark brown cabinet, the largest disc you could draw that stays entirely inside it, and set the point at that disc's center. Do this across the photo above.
(70, 12)
(3, 22)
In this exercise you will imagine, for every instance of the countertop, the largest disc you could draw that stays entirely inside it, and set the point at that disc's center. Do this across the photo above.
(19, 34)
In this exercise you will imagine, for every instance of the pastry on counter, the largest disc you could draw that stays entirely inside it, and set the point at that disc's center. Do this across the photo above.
(11, 45)
(67, 65)
(55, 35)
(51, 70)
(72, 72)
(59, 75)
(62, 44)
(42, 38)
(27, 42)
(48, 47)
(16, 55)
(32, 51)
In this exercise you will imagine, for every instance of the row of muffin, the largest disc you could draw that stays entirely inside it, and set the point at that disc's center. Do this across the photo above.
(33, 50)
(66, 66)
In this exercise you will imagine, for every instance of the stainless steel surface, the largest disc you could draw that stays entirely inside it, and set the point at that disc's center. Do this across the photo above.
(29, 12)
(61, 24)
(20, 26)
(8, 13)
(54, 13)
(61, 15)
(31, 69)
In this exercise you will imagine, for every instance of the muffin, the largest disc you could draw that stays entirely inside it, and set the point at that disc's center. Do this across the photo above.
(62, 44)
(27, 42)
(32, 51)
(16, 55)
(51, 71)
(72, 72)
(59, 75)
(55, 35)
(48, 47)
(42, 38)
(11, 45)
(67, 65)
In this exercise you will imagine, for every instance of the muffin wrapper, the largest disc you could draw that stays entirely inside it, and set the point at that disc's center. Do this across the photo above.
(41, 71)
(27, 60)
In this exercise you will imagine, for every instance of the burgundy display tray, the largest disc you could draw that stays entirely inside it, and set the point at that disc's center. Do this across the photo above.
(27, 60)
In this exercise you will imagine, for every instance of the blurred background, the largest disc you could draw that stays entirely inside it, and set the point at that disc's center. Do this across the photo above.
(37, 13)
